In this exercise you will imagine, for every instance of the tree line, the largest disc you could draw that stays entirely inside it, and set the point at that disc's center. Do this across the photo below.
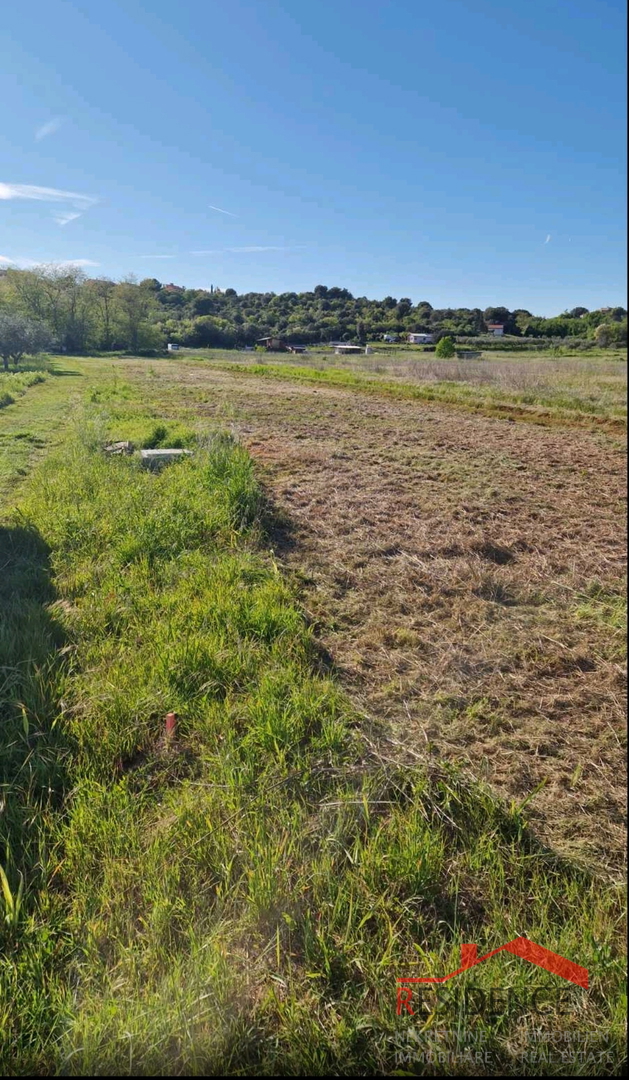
(62, 308)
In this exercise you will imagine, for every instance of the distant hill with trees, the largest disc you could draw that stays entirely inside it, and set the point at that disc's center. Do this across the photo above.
(82, 313)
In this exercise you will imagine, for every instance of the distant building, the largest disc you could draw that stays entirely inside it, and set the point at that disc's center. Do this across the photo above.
(172, 348)
(389, 338)
(173, 288)
(497, 329)
(345, 349)
(420, 339)
(273, 343)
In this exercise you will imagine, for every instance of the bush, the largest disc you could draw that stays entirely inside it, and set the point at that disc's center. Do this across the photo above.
(611, 333)
(445, 349)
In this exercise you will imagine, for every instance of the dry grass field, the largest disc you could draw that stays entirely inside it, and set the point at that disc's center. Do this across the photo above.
(466, 575)
(389, 614)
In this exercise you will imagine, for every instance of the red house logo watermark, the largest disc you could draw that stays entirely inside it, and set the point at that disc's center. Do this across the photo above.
(521, 946)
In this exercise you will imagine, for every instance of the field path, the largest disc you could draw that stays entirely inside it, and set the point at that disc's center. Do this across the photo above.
(37, 420)
(465, 574)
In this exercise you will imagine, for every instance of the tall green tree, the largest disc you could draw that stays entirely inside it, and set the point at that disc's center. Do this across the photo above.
(104, 295)
(57, 296)
(135, 311)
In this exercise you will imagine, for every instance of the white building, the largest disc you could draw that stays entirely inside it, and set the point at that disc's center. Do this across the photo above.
(347, 350)
(420, 339)
(497, 329)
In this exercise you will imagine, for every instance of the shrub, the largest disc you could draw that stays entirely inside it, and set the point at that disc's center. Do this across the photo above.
(445, 348)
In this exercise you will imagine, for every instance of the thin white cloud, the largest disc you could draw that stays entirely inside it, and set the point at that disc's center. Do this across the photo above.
(48, 128)
(243, 250)
(547, 239)
(46, 194)
(79, 203)
(77, 262)
(220, 211)
(64, 217)
(259, 247)
(23, 264)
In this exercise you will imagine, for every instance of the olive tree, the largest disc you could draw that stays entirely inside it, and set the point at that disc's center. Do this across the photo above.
(20, 336)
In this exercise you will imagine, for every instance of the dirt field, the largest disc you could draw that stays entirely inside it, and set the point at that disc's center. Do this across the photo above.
(465, 575)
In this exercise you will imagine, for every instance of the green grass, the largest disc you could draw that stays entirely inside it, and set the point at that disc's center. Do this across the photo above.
(565, 403)
(29, 426)
(34, 424)
(243, 897)
(609, 609)
(15, 383)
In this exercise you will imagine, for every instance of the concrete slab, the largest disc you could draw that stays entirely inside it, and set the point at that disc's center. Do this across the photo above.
(119, 448)
(155, 459)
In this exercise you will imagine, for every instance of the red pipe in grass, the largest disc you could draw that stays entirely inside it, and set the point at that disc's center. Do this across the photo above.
(171, 724)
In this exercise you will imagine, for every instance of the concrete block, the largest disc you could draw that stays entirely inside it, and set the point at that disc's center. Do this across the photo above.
(155, 459)
(119, 448)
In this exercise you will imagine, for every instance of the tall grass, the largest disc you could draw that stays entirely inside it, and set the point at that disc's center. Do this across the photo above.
(15, 383)
(574, 392)
(242, 896)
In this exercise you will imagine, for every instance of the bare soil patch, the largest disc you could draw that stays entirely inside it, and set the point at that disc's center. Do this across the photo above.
(463, 573)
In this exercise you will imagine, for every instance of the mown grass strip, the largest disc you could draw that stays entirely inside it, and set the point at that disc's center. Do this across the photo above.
(567, 410)
(240, 898)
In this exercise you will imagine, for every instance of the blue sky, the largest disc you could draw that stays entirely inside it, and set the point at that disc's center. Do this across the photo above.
(465, 153)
